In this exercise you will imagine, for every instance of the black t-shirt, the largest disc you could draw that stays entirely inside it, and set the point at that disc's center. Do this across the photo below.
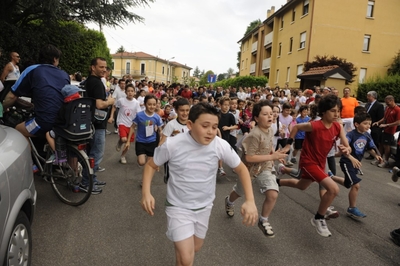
(95, 89)
(226, 120)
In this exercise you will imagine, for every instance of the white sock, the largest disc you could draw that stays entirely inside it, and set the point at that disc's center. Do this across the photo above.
(263, 219)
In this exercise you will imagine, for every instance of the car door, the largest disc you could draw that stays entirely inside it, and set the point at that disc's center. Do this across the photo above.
(4, 199)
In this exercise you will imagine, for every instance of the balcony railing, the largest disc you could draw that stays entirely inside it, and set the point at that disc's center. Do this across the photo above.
(253, 68)
(254, 47)
(266, 64)
(268, 38)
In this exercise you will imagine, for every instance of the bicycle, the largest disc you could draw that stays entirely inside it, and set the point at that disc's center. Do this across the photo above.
(64, 175)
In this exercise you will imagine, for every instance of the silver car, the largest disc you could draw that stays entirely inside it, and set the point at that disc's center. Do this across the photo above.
(17, 198)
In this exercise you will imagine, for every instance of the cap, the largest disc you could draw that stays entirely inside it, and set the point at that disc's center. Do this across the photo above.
(69, 90)
(327, 88)
(308, 91)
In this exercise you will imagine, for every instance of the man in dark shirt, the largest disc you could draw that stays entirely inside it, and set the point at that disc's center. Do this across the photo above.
(95, 89)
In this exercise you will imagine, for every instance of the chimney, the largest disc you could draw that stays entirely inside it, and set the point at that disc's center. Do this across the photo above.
(272, 10)
(268, 13)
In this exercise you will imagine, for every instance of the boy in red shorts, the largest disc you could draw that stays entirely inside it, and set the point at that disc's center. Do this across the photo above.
(320, 137)
(128, 108)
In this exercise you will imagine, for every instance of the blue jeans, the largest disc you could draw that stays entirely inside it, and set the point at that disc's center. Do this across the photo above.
(97, 146)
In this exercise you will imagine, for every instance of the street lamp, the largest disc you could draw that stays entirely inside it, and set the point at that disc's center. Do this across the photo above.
(168, 70)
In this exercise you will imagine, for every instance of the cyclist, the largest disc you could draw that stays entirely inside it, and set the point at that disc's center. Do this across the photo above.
(43, 83)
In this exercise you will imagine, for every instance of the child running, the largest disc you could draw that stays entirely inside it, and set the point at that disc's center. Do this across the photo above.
(147, 123)
(321, 135)
(128, 109)
(191, 187)
(360, 141)
(299, 138)
(176, 126)
(259, 156)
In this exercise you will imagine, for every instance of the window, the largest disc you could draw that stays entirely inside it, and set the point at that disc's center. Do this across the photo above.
(363, 73)
(128, 67)
(302, 40)
(370, 9)
(142, 69)
(280, 49)
(288, 74)
(246, 64)
(290, 45)
(293, 15)
(282, 23)
(306, 5)
(242, 64)
(163, 70)
(299, 71)
(367, 41)
(277, 76)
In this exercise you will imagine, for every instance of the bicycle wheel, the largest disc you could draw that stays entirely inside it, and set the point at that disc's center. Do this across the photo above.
(66, 177)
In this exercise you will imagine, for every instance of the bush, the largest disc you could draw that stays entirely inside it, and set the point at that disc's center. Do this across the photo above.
(389, 85)
(243, 81)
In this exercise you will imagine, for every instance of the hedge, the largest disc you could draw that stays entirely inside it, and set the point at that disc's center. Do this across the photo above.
(242, 81)
(389, 85)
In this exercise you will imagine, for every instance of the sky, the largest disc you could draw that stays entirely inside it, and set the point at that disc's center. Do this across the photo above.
(197, 33)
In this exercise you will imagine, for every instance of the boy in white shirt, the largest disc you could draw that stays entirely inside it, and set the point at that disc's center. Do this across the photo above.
(191, 187)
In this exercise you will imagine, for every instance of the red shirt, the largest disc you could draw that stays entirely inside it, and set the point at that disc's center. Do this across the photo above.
(318, 143)
(392, 114)
(186, 94)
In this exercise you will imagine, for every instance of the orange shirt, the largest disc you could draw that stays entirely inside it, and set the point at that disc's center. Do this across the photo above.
(348, 105)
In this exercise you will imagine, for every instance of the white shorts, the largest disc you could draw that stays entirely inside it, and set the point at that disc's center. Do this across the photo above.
(184, 223)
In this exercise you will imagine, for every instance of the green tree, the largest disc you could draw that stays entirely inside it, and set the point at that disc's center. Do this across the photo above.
(395, 66)
(192, 82)
(230, 72)
(203, 79)
(320, 61)
(202, 73)
(221, 77)
(196, 72)
(121, 50)
(254, 24)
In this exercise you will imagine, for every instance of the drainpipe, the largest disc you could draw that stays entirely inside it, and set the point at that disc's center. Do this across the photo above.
(311, 26)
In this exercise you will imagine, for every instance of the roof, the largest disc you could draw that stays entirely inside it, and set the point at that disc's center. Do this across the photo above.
(325, 72)
(143, 55)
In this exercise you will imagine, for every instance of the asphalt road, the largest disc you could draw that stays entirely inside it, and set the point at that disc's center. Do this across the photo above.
(112, 229)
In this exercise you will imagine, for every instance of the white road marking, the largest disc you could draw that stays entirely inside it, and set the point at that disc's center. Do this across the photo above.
(394, 185)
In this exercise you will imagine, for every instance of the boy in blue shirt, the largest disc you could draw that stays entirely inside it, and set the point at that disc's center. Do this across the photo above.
(359, 141)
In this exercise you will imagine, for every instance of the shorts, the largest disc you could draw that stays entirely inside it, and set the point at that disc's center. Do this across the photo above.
(145, 148)
(350, 174)
(313, 172)
(34, 129)
(298, 144)
(183, 223)
(123, 132)
(266, 180)
(387, 139)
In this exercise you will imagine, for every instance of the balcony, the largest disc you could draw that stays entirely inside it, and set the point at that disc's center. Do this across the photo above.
(254, 47)
(268, 39)
(253, 68)
(266, 64)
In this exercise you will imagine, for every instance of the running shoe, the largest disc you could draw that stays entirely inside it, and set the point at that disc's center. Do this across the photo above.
(280, 169)
(266, 228)
(123, 160)
(383, 164)
(221, 171)
(51, 159)
(101, 169)
(395, 177)
(293, 160)
(116, 131)
(95, 190)
(229, 209)
(321, 227)
(395, 235)
(288, 164)
(375, 162)
(331, 214)
(355, 213)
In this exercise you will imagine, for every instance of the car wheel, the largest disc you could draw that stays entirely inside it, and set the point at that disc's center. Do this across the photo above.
(19, 247)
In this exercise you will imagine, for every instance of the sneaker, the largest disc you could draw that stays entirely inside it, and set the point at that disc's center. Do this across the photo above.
(375, 162)
(293, 160)
(288, 164)
(101, 169)
(383, 164)
(395, 170)
(116, 131)
(395, 237)
(330, 213)
(321, 227)
(119, 145)
(266, 228)
(123, 160)
(229, 209)
(95, 190)
(280, 169)
(51, 158)
(99, 183)
(108, 132)
(221, 171)
(355, 213)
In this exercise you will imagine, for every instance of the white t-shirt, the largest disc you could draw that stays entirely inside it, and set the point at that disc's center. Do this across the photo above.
(140, 99)
(241, 95)
(193, 168)
(274, 129)
(173, 128)
(236, 115)
(118, 93)
(127, 111)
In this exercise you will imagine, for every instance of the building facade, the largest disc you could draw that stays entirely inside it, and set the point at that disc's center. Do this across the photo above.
(140, 65)
(363, 32)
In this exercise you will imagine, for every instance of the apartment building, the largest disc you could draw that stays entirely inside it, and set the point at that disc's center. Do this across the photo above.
(363, 32)
(140, 65)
